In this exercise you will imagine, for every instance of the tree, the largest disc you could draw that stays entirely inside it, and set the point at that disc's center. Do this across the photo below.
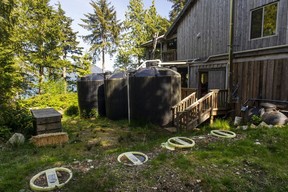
(42, 40)
(140, 26)
(177, 7)
(134, 32)
(9, 77)
(104, 28)
(69, 45)
(155, 25)
(122, 61)
(37, 38)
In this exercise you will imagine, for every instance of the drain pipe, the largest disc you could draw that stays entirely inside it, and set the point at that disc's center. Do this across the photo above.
(229, 79)
(128, 97)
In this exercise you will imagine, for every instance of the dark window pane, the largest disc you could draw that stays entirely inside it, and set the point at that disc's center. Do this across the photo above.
(270, 19)
(256, 23)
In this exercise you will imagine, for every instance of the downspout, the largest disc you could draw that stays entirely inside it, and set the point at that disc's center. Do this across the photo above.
(229, 82)
(128, 97)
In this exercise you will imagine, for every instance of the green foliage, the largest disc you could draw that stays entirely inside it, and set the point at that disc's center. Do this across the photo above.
(89, 114)
(177, 7)
(10, 80)
(72, 111)
(256, 120)
(104, 29)
(54, 87)
(5, 133)
(154, 25)
(58, 101)
(42, 41)
(134, 34)
(221, 124)
(140, 26)
(15, 119)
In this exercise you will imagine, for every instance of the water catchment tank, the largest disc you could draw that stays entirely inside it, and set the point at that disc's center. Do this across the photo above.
(116, 96)
(91, 97)
(152, 93)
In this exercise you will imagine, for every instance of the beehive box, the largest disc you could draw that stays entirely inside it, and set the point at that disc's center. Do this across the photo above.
(46, 120)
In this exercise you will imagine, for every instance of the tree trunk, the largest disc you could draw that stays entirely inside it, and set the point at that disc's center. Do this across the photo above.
(155, 38)
(65, 81)
(103, 60)
(41, 75)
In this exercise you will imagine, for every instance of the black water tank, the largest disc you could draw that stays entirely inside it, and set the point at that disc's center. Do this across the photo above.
(153, 91)
(116, 96)
(91, 94)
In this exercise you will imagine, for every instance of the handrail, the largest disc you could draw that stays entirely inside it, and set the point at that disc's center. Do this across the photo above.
(182, 105)
(186, 99)
(200, 100)
(202, 109)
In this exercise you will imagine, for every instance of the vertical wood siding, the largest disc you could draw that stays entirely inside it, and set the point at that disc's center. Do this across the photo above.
(242, 25)
(262, 79)
(204, 31)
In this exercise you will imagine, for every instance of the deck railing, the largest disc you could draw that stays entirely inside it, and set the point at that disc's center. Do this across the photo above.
(220, 99)
(201, 109)
(185, 92)
(183, 105)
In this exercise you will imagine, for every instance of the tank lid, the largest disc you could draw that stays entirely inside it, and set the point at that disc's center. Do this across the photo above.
(118, 75)
(93, 77)
(155, 72)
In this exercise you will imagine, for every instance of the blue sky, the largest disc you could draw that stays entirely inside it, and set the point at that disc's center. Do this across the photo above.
(76, 9)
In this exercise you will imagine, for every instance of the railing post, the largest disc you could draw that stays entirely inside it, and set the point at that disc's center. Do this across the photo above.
(212, 107)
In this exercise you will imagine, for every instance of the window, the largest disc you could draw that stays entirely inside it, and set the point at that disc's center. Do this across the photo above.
(264, 21)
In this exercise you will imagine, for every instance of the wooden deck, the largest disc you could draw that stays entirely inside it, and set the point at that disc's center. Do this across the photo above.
(191, 112)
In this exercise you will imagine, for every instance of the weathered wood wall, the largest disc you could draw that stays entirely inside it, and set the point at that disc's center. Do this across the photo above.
(242, 25)
(204, 30)
(262, 79)
(216, 75)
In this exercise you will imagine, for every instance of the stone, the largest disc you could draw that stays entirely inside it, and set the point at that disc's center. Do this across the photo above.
(263, 124)
(274, 118)
(16, 139)
(244, 127)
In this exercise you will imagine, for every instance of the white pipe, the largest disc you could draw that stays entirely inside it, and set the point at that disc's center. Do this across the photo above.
(144, 63)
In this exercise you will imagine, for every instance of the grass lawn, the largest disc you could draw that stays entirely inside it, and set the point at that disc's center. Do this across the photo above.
(256, 160)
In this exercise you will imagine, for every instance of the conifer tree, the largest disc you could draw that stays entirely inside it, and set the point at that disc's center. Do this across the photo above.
(104, 30)
(134, 34)
(155, 26)
(37, 37)
(69, 44)
(177, 7)
(10, 79)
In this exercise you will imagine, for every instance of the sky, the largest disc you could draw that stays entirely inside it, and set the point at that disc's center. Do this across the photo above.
(75, 9)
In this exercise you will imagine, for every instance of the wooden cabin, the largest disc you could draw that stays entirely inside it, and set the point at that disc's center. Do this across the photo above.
(246, 53)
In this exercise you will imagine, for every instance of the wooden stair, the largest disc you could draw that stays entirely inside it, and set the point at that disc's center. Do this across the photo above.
(191, 112)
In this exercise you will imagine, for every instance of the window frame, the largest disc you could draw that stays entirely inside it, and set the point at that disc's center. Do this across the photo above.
(262, 22)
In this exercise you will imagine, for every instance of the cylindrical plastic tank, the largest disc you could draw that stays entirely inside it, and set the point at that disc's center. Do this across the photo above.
(116, 96)
(91, 94)
(153, 91)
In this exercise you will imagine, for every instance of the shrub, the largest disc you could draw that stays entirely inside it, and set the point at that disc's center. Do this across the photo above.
(256, 119)
(72, 110)
(5, 133)
(221, 124)
(16, 119)
(57, 101)
(89, 114)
